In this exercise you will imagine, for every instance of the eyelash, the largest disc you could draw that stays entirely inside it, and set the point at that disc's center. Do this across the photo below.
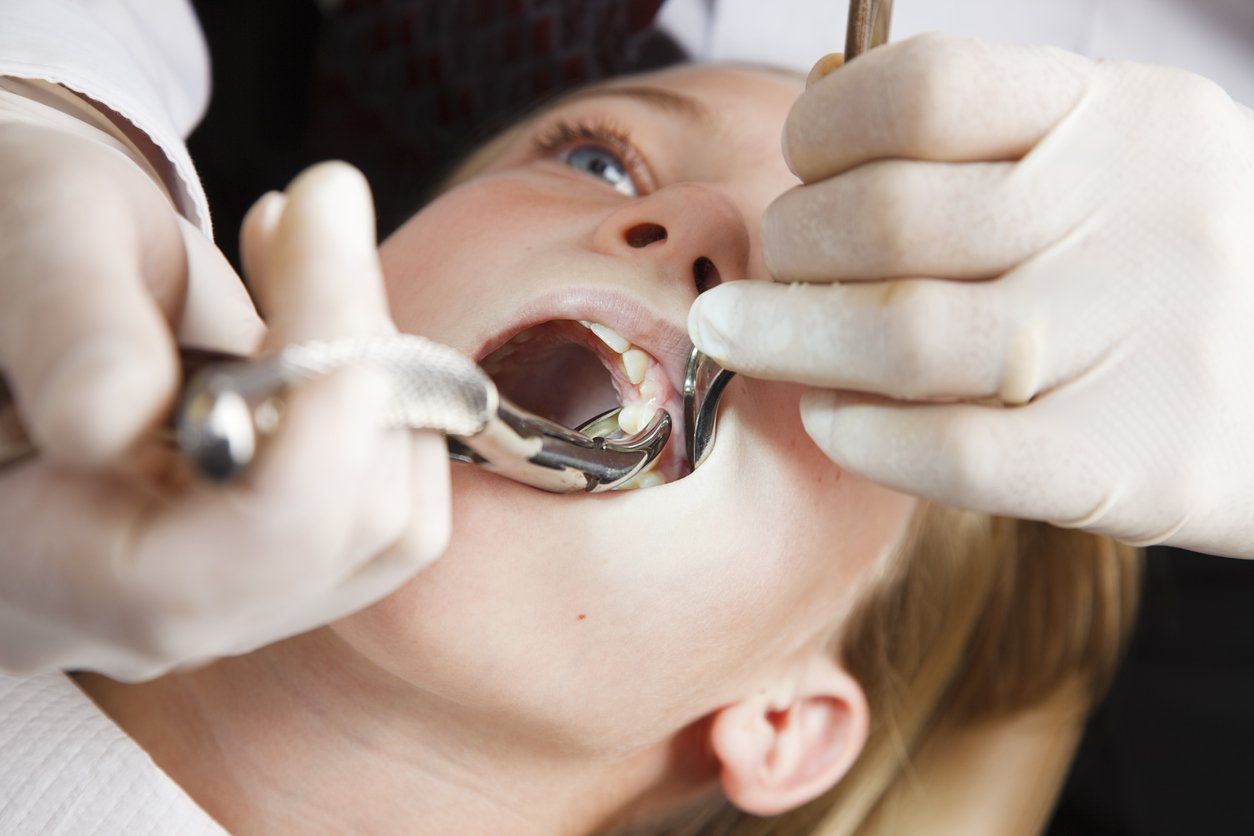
(563, 135)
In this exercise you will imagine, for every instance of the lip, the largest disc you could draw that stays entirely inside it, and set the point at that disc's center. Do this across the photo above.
(663, 338)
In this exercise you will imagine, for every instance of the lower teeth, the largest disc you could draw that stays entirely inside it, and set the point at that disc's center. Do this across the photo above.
(634, 417)
(648, 479)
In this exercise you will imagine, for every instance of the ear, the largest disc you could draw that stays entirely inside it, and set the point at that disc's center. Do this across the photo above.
(778, 752)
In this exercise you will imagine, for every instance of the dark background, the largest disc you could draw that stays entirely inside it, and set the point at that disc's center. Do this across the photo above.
(1170, 751)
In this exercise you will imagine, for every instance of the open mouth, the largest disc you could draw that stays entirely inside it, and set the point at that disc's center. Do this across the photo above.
(571, 371)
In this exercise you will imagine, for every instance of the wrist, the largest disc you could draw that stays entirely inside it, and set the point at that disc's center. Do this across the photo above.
(39, 102)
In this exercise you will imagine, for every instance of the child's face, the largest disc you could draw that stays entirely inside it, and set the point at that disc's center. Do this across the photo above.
(610, 621)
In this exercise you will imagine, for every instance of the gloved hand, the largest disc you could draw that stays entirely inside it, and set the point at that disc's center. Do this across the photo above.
(1025, 286)
(97, 270)
(110, 561)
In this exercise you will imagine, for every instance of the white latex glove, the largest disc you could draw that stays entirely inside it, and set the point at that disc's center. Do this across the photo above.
(1041, 270)
(109, 559)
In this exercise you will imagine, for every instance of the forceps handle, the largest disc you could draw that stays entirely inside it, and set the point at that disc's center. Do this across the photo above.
(229, 402)
(869, 23)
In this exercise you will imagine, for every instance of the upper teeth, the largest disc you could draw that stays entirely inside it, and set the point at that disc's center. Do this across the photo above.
(635, 415)
(610, 337)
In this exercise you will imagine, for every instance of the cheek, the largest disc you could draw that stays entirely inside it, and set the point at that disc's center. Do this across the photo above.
(430, 261)
(809, 529)
(470, 242)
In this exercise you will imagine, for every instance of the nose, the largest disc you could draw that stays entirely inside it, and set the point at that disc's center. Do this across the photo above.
(688, 231)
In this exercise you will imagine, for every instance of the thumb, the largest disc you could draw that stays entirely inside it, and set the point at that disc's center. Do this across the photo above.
(219, 313)
(733, 323)
(84, 335)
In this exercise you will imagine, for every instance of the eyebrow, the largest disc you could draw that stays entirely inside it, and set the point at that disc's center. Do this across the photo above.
(656, 97)
(659, 98)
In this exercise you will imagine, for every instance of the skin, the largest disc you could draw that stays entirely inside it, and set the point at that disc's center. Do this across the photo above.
(568, 656)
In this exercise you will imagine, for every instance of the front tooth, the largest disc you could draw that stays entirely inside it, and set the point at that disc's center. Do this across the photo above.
(649, 479)
(634, 417)
(610, 337)
(635, 363)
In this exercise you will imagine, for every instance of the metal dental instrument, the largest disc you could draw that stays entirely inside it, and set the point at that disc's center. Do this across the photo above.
(869, 22)
(230, 403)
(704, 383)
(706, 380)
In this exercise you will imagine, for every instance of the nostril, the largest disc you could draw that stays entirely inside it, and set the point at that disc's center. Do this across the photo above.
(642, 235)
(704, 274)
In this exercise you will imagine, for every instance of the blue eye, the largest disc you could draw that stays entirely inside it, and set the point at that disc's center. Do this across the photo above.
(601, 162)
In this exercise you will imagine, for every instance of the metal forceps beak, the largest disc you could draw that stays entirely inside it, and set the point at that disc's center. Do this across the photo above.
(547, 455)
(706, 380)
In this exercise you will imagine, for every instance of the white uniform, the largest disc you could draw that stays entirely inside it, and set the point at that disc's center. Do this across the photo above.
(64, 766)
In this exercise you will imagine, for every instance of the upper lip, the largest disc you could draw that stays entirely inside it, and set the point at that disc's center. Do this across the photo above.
(663, 338)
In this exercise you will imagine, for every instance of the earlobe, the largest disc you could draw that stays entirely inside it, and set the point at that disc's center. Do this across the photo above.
(776, 755)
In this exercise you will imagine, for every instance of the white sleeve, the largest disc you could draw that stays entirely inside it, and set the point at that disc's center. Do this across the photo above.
(144, 59)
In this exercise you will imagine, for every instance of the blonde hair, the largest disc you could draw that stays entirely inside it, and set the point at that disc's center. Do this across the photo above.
(975, 619)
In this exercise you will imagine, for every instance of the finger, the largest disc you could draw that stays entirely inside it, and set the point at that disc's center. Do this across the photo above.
(825, 66)
(910, 339)
(932, 97)
(1012, 462)
(91, 270)
(430, 525)
(391, 567)
(257, 230)
(424, 539)
(882, 221)
(330, 491)
(320, 276)
(84, 342)
(219, 313)
(284, 531)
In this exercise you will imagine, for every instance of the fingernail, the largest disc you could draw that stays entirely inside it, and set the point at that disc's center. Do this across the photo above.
(710, 320)
(266, 210)
(96, 399)
(824, 67)
(817, 417)
(257, 231)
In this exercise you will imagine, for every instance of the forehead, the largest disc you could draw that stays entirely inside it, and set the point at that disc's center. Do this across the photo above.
(719, 92)
(730, 127)
(723, 79)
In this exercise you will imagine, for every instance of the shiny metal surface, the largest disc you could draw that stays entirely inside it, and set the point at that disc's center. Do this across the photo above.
(228, 407)
(869, 24)
(547, 455)
(705, 381)
(604, 425)
(704, 384)
(16, 446)
(231, 403)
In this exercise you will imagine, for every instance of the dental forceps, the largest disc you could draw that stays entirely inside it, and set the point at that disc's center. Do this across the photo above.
(231, 403)
(705, 380)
